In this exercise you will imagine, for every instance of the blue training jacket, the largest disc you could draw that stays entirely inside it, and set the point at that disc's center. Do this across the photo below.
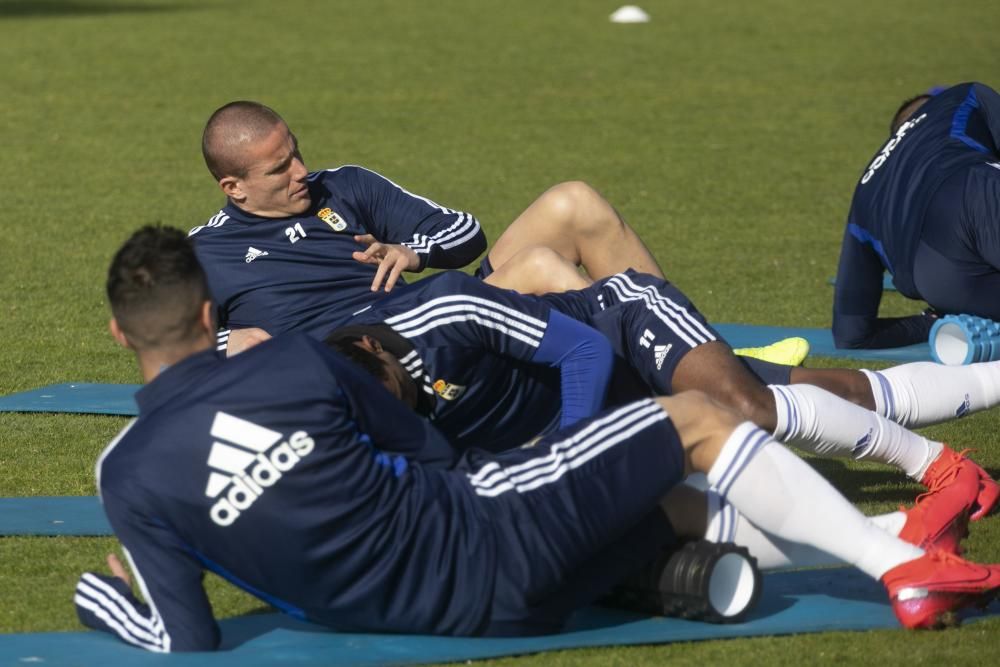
(297, 273)
(954, 130)
(295, 476)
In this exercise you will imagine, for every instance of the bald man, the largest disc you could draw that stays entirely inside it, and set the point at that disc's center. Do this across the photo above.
(294, 250)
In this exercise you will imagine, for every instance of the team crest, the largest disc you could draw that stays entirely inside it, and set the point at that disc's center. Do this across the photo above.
(330, 217)
(448, 391)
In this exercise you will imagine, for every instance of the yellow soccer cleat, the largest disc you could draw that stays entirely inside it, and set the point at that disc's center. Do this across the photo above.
(789, 351)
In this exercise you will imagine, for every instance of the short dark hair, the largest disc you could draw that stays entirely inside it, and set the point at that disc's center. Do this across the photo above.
(905, 111)
(347, 345)
(156, 288)
(230, 127)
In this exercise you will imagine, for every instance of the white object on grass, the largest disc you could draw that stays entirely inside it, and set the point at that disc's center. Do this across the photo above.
(629, 14)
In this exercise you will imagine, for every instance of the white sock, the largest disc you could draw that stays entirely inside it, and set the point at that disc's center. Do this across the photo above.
(825, 424)
(925, 393)
(725, 524)
(779, 493)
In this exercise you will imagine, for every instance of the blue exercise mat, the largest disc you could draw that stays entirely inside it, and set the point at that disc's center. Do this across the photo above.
(59, 515)
(82, 397)
(820, 343)
(792, 603)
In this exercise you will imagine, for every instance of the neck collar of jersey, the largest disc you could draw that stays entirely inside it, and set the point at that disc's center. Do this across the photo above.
(175, 380)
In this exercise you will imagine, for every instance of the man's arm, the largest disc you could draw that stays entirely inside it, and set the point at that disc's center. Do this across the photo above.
(522, 328)
(411, 233)
(176, 615)
(858, 291)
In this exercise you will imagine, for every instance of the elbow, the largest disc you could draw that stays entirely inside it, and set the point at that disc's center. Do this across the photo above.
(850, 336)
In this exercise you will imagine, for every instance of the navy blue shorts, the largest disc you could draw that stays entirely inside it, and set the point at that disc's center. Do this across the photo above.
(485, 268)
(956, 268)
(651, 324)
(575, 513)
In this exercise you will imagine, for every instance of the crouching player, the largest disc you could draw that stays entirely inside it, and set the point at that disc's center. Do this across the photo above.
(301, 480)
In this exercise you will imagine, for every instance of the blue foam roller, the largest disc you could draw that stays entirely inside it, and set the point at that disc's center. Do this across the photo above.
(964, 339)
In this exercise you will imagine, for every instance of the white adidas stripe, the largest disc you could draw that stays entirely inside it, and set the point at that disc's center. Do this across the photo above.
(407, 318)
(492, 466)
(662, 305)
(452, 309)
(493, 480)
(461, 231)
(676, 317)
(120, 611)
(156, 618)
(102, 614)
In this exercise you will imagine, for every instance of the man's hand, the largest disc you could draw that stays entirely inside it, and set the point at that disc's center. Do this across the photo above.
(118, 570)
(241, 340)
(392, 259)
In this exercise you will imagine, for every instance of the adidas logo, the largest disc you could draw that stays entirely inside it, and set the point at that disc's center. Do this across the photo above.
(660, 354)
(249, 461)
(964, 408)
(253, 253)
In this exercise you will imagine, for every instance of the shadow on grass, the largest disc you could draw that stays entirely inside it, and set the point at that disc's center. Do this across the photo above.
(868, 484)
(54, 8)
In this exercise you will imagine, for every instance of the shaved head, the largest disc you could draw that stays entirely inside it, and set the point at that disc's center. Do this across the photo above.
(228, 133)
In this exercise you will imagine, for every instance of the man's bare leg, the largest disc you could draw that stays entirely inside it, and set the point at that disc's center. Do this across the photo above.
(578, 223)
(538, 270)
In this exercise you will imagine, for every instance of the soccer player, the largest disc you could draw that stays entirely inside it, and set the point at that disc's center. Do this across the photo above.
(475, 359)
(927, 210)
(300, 251)
(293, 475)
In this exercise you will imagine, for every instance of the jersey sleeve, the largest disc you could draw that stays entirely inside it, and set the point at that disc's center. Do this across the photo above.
(176, 616)
(857, 295)
(475, 315)
(989, 109)
(441, 237)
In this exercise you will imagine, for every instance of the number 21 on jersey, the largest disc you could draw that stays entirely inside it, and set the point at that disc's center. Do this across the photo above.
(295, 232)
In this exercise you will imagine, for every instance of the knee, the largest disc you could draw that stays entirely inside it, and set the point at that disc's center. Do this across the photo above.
(697, 415)
(755, 403)
(703, 426)
(540, 269)
(576, 203)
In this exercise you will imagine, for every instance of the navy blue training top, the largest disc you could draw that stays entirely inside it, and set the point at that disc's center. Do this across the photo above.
(295, 476)
(297, 273)
(497, 368)
(957, 129)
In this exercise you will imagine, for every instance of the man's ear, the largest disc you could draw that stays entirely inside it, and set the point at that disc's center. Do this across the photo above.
(118, 334)
(207, 318)
(232, 187)
(370, 343)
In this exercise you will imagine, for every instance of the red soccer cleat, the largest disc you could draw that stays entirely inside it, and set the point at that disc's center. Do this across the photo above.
(954, 469)
(932, 528)
(925, 592)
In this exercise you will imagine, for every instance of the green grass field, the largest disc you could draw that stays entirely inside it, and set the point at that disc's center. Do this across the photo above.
(729, 134)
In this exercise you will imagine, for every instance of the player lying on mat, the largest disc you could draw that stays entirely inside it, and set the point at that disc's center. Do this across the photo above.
(297, 477)
(927, 210)
(300, 251)
(494, 369)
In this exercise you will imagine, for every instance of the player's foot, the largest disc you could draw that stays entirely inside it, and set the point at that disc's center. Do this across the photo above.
(788, 352)
(925, 592)
(932, 528)
(953, 468)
